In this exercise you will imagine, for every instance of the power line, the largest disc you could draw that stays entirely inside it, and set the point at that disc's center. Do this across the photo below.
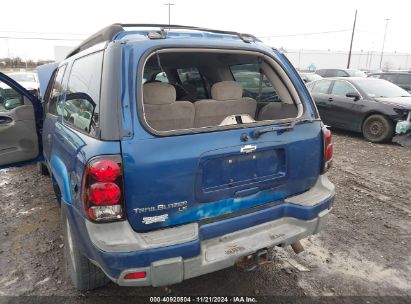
(39, 38)
(306, 34)
(45, 33)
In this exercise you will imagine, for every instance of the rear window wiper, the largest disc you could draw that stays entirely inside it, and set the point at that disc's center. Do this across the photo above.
(258, 133)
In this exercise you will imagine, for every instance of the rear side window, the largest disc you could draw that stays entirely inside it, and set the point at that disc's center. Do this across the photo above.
(56, 91)
(341, 88)
(321, 87)
(192, 77)
(255, 83)
(81, 107)
(404, 79)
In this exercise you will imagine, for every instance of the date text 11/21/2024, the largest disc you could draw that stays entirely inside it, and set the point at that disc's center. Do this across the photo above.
(203, 299)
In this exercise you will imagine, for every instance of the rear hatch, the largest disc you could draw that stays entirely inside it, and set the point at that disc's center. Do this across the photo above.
(174, 180)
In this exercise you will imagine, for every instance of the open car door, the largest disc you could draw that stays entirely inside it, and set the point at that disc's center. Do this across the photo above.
(20, 124)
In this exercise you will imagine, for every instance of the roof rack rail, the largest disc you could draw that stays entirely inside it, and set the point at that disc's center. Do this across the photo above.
(107, 33)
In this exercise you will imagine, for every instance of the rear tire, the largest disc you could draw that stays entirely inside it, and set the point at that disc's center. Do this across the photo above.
(378, 128)
(83, 274)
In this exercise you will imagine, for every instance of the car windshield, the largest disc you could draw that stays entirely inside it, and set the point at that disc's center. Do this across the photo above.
(23, 77)
(381, 88)
(356, 73)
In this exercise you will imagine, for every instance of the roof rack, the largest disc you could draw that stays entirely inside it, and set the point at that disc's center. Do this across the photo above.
(108, 33)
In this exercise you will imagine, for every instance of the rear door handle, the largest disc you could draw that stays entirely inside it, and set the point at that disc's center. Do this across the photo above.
(330, 99)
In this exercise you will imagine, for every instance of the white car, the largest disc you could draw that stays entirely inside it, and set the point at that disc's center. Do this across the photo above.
(81, 120)
(28, 80)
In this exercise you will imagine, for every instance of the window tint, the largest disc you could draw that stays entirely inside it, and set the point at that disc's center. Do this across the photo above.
(404, 79)
(341, 88)
(56, 91)
(192, 77)
(321, 87)
(250, 76)
(9, 98)
(83, 93)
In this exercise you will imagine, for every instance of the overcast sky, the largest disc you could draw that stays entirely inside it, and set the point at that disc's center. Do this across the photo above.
(282, 21)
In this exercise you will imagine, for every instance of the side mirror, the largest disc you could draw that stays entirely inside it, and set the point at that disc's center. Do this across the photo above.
(354, 95)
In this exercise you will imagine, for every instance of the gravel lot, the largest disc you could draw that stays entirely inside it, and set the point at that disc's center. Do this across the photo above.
(364, 250)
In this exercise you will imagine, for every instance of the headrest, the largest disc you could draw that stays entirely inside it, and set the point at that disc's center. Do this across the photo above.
(158, 93)
(226, 90)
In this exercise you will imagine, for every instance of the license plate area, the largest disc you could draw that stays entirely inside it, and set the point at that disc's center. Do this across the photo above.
(238, 174)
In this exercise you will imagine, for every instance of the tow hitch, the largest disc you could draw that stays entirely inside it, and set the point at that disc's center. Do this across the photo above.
(253, 261)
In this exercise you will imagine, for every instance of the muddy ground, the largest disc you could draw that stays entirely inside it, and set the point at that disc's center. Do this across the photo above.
(364, 249)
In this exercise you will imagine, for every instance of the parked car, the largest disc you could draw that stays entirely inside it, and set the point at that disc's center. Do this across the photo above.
(340, 73)
(308, 77)
(28, 80)
(401, 79)
(367, 105)
(158, 189)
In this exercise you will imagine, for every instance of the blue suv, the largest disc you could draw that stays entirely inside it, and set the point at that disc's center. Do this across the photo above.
(173, 151)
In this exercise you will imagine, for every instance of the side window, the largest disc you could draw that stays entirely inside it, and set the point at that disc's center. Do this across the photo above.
(191, 77)
(389, 77)
(81, 109)
(249, 75)
(341, 88)
(404, 79)
(9, 98)
(56, 92)
(339, 73)
(321, 87)
(329, 73)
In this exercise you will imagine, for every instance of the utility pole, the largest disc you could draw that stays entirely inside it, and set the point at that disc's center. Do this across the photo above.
(352, 39)
(383, 42)
(169, 11)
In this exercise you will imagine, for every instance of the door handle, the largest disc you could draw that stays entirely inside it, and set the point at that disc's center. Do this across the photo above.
(330, 99)
(5, 120)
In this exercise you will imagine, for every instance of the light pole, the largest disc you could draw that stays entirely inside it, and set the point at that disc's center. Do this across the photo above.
(169, 11)
(352, 39)
(383, 42)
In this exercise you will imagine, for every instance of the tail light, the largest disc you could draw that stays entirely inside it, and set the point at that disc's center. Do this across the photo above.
(103, 199)
(328, 149)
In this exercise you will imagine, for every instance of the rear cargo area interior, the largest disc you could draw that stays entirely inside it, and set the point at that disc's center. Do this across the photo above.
(187, 90)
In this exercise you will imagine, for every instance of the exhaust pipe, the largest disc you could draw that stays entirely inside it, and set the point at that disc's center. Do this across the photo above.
(297, 247)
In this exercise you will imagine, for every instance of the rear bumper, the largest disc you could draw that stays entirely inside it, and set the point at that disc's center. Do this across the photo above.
(171, 255)
(224, 251)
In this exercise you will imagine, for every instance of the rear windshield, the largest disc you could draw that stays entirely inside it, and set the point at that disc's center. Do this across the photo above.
(193, 90)
(380, 88)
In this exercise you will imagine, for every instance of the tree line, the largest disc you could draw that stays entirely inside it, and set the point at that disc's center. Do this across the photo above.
(19, 63)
